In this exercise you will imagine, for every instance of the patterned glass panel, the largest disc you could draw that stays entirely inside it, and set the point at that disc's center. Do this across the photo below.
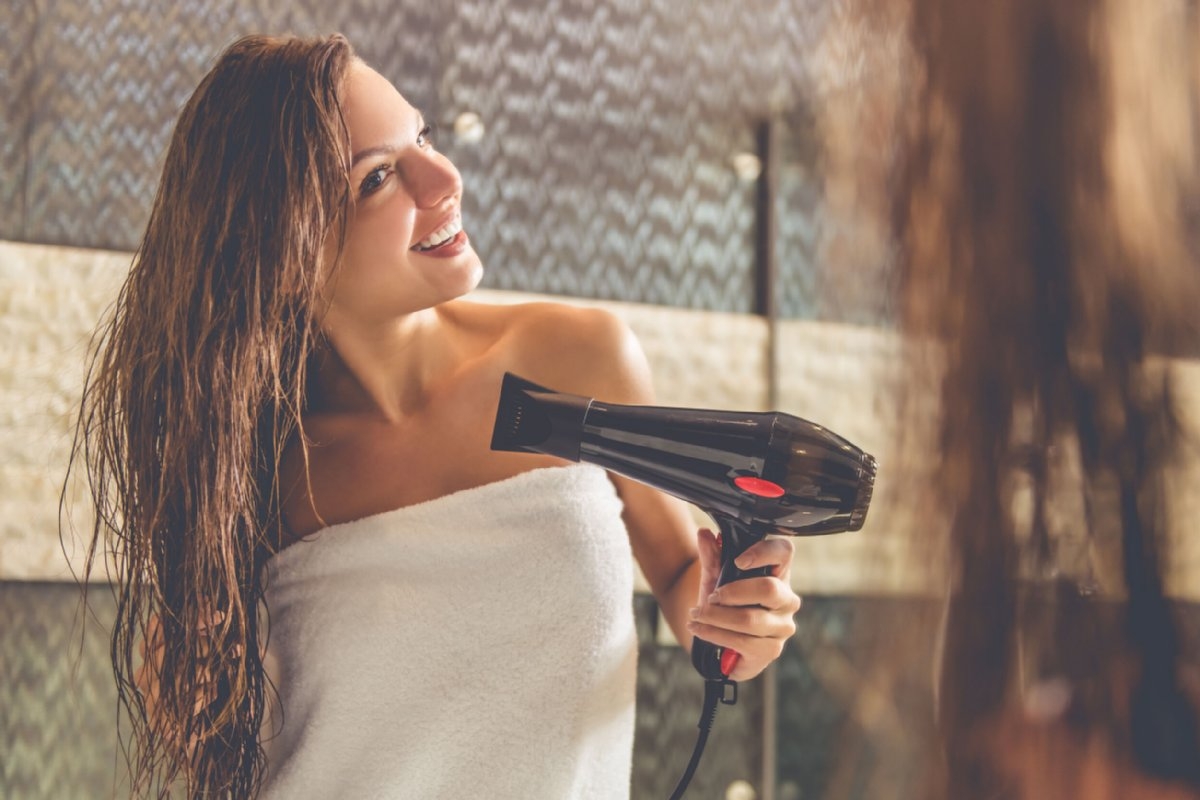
(604, 170)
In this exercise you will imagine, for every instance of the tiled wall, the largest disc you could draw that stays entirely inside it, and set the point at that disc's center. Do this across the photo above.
(604, 176)
(605, 168)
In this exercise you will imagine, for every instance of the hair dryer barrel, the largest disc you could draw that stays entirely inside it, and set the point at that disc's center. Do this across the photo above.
(769, 469)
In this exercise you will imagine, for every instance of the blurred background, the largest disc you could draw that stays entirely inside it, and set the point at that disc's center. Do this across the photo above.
(717, 173)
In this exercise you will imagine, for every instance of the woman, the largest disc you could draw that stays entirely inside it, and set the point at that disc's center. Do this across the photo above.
(291, 410)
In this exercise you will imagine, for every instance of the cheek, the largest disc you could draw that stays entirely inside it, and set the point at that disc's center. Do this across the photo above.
(376, 251)
(385, 231)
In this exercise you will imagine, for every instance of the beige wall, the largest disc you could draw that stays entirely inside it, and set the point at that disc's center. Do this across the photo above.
(842, 376)
(52, 297)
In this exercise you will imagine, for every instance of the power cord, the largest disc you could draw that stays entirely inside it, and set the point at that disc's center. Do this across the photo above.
(714, 693)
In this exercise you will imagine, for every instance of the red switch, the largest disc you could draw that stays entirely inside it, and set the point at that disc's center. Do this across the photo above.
(758, 486)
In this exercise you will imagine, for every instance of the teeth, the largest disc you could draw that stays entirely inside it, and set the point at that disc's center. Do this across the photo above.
(441, 235)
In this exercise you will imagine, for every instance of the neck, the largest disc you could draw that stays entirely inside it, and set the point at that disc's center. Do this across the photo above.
(383, 369)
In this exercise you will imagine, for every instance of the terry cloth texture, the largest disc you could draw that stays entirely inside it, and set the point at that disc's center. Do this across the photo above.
(480, 644)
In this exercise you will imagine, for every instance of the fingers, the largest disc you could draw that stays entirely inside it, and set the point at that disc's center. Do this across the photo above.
(710, 560)
(756, 652)
(753, 616)
(772, 594)
(212, 621)
(775, 553)
(746, 620)
(762, 607)
(151, 639)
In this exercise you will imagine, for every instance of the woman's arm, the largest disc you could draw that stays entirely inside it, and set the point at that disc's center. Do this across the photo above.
(600, 357)
(753, 616)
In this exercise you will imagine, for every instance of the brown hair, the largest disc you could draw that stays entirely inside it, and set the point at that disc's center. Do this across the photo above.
(195, 389)
(1052, 320)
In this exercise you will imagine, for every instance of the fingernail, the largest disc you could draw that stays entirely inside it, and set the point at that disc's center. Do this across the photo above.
(744, 561)
(715, 597)
(692, 626)
(695, 612)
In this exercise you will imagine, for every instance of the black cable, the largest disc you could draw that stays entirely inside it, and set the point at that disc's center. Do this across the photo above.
(714, 692)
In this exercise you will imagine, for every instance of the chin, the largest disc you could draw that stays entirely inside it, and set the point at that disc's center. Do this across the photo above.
(473, 274)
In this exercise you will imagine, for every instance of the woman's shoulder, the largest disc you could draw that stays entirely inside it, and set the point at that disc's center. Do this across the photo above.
(524, 314)
(580, 349)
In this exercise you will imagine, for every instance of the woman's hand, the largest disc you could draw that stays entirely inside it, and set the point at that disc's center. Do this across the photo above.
(146, 677)
(753, 616)
(165, 722)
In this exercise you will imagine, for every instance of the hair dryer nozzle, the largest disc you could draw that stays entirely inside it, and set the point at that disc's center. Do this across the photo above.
(866, 488)
(534, 419)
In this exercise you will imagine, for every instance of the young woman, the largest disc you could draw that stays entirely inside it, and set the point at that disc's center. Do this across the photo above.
(291, 413)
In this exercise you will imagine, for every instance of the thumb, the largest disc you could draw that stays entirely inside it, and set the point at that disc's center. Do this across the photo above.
(710, 561)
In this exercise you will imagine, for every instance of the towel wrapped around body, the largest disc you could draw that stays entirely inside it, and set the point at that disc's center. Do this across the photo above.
(480, 644)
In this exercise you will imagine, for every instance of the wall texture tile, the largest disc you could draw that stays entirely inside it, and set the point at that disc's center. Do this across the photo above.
(605, 168)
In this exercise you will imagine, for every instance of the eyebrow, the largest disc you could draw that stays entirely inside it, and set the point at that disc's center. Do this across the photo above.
(377, 150)
(381, 149)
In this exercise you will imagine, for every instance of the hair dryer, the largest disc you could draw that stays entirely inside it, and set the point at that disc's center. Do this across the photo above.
(754, 473)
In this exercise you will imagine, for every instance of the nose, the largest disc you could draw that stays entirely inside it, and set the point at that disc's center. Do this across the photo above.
(432, 179)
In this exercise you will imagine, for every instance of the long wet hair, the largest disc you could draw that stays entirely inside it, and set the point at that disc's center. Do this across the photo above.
(193, 392)
(1046, 247)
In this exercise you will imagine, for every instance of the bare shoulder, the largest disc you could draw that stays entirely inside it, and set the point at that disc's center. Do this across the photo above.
(579, 349)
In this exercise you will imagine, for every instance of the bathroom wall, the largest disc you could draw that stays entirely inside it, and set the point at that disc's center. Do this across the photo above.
(605, 174)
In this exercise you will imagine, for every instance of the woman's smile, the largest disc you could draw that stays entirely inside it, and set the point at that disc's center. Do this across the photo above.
(447, 239)
(455, 245)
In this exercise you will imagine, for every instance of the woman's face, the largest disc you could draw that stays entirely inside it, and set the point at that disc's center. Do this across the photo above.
(405, 248)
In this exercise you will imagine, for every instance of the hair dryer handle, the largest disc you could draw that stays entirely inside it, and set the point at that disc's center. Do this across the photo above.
(712, 662)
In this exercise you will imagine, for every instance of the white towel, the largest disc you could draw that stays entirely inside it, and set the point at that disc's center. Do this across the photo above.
(479, 645)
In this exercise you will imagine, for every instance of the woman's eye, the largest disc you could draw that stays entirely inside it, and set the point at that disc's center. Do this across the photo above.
(425, 137)
(373, 180)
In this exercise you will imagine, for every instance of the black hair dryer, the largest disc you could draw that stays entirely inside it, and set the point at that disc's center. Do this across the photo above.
(755, 473)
